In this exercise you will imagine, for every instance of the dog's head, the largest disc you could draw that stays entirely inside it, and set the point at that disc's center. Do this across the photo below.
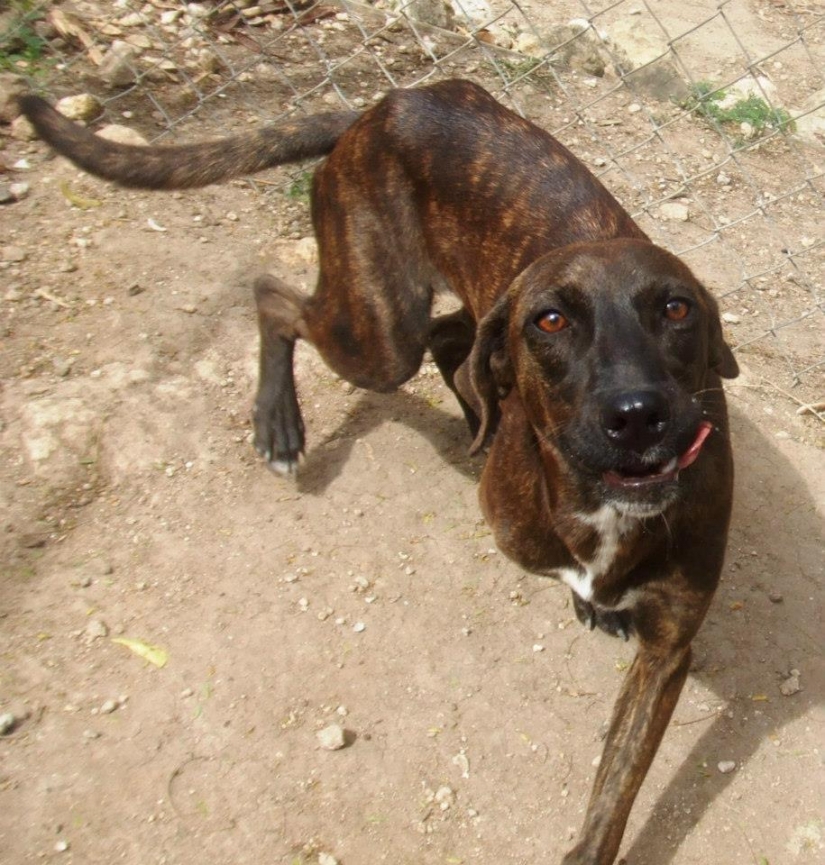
(615, 350)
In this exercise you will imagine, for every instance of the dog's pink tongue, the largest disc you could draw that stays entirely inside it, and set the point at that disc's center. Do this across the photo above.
(689, 456)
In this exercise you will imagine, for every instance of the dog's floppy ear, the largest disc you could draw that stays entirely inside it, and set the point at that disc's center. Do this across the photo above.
(720, 357)
(491, 372)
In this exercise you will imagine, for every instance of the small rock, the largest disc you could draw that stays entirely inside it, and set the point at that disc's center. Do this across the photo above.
(358, 627)
(6, 196)
(327, 859)
(306, 249)
(13, 254)
(22, 130)
(332, 738)
(62, 367)
(19, 190)
(7, 723)
(730, 318)
(122, 135)
(790, 686)
(445, 798)
(91, 734)
(529, 44)
(119, 67)
(132, 19)
(775, 597)
(108, 707)
(726, 766)
(95, 630)
(747, 130)
(61, 846)
(634, 108)
(83, 106)
(675, 211)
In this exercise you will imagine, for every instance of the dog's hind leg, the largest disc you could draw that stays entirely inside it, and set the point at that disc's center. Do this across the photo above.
(451, 340)
(279, 428)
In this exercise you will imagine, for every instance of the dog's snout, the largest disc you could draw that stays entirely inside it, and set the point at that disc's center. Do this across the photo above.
(636, 420)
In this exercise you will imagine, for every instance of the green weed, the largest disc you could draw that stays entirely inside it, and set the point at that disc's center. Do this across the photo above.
(21, 48)
(301, 186)
(706, 101)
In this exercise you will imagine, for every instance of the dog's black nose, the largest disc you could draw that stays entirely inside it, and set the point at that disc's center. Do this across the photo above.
(636, 420)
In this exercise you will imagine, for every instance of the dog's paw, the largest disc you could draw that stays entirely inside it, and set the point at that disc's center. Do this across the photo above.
(279, 440)
(283, 466)
(617, 623)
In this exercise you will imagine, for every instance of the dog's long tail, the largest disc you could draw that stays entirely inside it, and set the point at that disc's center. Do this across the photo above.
(187, 165)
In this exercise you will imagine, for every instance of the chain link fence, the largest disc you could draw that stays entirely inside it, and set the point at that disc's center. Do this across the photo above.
(706, 120)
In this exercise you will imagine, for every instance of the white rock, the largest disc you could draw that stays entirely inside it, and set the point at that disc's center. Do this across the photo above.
(19, 190)
(726, 766)
(445, 797)
(96, 629)
(119, 65)
(83, 106)
(306, 249)
(476, 12)
(122, 135)
(13, 254)
(747, 130)
(674, 211)
(529, 44)
(760, 86)
(22, 130)
(810, 119)
(790, 686)
(637, 46)
(332, 738)
(730, 318)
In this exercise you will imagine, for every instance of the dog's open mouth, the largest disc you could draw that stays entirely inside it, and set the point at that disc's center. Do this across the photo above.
(661, 472)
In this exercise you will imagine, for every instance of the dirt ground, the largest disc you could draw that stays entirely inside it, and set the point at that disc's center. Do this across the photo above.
(367, 593)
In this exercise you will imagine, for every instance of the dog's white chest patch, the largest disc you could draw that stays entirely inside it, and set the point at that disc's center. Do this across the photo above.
(610, 526)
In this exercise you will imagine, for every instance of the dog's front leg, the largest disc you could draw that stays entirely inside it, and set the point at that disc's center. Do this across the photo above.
(640, 717)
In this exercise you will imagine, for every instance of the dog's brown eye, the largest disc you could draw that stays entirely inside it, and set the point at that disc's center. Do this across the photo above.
(552, 321)
(677, 310)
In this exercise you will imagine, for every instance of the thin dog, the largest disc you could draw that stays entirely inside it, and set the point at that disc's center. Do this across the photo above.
(586, 359)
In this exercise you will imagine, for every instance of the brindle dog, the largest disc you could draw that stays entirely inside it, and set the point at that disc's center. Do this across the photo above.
(585, 357)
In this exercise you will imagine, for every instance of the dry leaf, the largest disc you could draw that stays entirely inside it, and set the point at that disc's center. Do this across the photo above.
(153, 654)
